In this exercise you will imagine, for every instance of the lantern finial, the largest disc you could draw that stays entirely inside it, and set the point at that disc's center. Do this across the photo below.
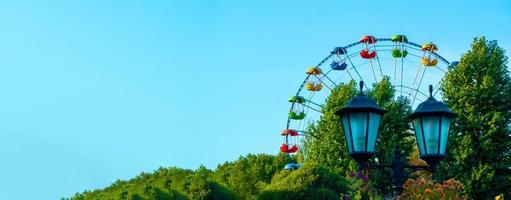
(430, 90)
(361, 85)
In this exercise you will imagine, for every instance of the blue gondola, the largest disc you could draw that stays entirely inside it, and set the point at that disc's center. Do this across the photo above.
(453, 64)
(338, 65)
(292, 166)
(339, 50)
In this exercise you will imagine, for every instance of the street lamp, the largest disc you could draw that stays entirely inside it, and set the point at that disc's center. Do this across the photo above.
(431, 121)
(361, 119)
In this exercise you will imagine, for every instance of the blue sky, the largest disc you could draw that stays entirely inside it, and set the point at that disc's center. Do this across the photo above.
(94, 91)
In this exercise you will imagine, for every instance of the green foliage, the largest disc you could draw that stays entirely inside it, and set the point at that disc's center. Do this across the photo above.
(479, 91)
(325, 141)
(360, 188)
(241, 179)
(312, 181)
(165, 183)
(248, 175)
(202, 188)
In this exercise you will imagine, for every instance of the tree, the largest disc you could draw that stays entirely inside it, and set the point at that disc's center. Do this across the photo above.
(163, 184)
(312, 181)
(325, 140)
(478, 89)
(203, 188)
(249, 174)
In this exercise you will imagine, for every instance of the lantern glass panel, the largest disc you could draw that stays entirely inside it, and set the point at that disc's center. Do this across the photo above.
(446, 124)
(374, 124)
(347, 132)
(431, 128)
(418, 133)
(358, 122)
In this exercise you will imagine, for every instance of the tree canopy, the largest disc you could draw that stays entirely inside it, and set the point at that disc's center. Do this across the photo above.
(478, 89)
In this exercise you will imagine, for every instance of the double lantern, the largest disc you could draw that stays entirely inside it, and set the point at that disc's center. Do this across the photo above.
(361, 119)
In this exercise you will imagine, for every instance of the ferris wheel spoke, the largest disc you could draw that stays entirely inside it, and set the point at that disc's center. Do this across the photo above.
(402, 66)
(348, 71)
(417, 74)
(354, 54)
(415, 55)
(414, 47)
(325, 75)
(312, 102)
(288, 123)
(395, 71)
(419, 85)
(309, 107)
(326, 85)
(356, 71)
(379, 64)
(374, 73)
(383, 45)
(335, 85)
(442, 70)
(418, 99)
(437, 86)
(413, 90)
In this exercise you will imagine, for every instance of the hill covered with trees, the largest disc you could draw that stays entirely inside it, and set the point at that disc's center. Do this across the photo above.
(478, 89)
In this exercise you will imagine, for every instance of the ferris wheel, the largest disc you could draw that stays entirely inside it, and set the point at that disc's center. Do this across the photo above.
(409, 66)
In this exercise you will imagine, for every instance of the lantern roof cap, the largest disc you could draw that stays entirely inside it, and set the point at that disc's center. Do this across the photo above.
(361, 103)
(432, 107)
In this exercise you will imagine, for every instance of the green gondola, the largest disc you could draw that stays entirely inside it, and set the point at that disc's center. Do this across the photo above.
(397, 53)
(296, 116)
(297, 99)
(399, 38)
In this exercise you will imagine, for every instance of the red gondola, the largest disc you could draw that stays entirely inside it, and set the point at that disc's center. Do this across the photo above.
(290, 141)
(368, 39)
(290, 132)
(365, 54)
(284, 148)
(368, 52)
(293, 149)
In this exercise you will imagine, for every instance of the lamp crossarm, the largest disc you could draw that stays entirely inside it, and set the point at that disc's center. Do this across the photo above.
(400, 170)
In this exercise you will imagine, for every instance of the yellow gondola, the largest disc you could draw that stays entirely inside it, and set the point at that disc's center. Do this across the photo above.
(313, 71)
(429, 62)
(429, 47)
(313, 87)
(429, 57)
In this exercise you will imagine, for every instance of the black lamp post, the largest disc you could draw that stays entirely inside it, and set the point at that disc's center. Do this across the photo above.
(431, 121)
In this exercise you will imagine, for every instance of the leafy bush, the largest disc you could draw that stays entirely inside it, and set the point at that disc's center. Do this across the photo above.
(423, 188)
(311, 181)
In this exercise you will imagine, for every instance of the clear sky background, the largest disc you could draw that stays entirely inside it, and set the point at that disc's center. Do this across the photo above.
(94, 91)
